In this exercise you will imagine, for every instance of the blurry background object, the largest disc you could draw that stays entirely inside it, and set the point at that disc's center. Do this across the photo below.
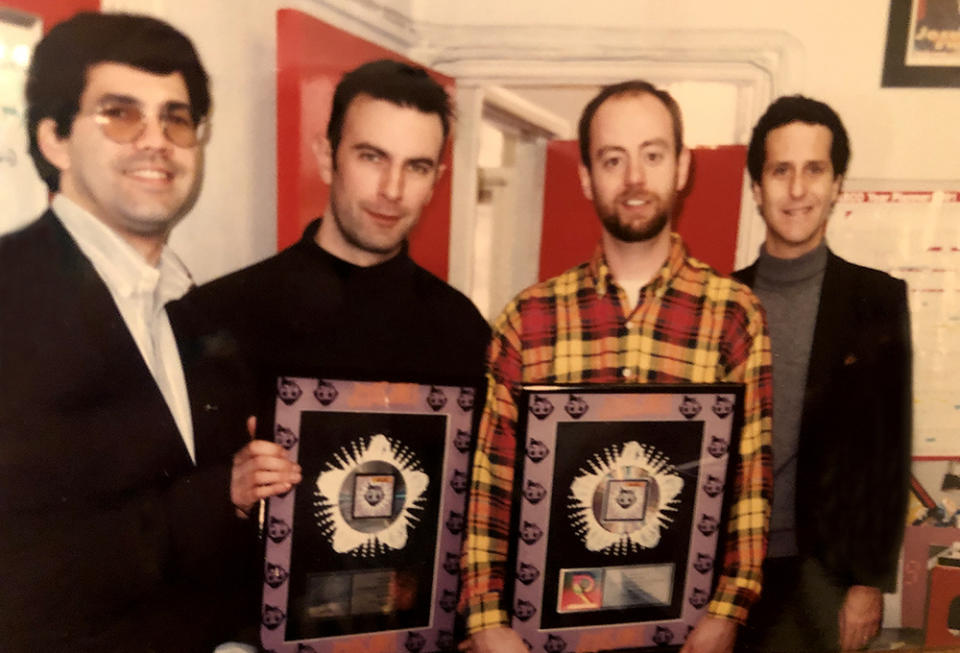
(22, 195)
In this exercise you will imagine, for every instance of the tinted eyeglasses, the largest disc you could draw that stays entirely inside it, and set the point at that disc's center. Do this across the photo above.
(125, 122)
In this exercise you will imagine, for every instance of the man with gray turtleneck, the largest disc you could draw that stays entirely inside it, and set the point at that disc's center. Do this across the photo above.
(840, 335)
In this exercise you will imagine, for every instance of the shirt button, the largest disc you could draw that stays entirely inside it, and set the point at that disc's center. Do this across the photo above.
(626, 373)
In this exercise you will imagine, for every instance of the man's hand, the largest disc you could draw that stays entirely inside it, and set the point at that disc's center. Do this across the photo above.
(860, 616)
(260, 470)
(711, 635)
(495, 640)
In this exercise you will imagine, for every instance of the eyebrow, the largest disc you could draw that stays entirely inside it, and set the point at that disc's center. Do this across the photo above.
(129, 99)
(777, 162)
(424, 160)
(661, 142)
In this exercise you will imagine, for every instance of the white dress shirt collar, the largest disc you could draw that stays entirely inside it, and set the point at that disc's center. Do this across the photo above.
(122, 267)
(140, 291)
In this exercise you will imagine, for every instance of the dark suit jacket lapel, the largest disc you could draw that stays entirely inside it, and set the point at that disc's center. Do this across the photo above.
(90, 303)
(830, 334)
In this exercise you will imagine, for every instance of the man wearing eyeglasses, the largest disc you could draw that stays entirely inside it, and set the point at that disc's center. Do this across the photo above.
(118, 532)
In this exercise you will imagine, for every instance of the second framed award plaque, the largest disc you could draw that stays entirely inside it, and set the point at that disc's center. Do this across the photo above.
(365, 553)
(619, 512)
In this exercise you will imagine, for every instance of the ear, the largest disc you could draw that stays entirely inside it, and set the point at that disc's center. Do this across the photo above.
(586, 183)
(835, 189)
(323, 152)
(757, 194)
(683, 169)
(441, 169)
(54, 149)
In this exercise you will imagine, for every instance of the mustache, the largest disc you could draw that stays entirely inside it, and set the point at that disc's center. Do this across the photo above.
(637, 194)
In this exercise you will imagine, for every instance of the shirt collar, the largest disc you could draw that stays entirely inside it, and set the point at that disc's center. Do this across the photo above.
(599, 272)
(122, 267)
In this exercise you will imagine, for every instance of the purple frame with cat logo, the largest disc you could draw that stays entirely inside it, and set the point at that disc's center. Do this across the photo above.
(619, 512)
(366, 550)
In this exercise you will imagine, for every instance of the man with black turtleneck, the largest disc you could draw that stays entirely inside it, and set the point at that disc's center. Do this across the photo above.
(347, 301)
(840, 336)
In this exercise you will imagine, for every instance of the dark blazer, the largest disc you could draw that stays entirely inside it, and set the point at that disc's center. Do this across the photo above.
(111, 538)
(854, 457)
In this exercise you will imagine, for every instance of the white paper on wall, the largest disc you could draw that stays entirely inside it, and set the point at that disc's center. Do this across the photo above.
(915, 235)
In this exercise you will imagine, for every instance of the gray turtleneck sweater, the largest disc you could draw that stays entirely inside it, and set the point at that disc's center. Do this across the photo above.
(790, 292)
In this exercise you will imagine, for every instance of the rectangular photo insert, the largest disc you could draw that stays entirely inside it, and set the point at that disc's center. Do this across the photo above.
(640, 585)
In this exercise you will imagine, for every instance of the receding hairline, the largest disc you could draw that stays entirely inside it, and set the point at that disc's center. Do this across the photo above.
(636, 93)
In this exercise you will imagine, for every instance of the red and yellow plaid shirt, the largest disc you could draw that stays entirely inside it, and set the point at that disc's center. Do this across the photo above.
(690, 325)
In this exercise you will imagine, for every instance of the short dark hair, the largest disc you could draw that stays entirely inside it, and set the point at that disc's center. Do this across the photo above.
(630, 87)
(61, 61)
(797, 108)
(394, 81)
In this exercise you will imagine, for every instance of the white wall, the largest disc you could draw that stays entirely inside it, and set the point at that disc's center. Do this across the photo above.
(896, 133)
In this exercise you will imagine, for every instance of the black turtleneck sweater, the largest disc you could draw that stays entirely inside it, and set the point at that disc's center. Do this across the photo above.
(305, 312)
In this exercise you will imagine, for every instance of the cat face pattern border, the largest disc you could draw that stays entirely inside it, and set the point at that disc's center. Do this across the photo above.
(546, 409)
(296, 395)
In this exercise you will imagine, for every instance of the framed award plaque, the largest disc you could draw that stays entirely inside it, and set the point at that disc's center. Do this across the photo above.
(366, 550)
(619, 512)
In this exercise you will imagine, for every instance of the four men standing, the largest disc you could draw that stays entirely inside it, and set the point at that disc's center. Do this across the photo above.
(123, 494)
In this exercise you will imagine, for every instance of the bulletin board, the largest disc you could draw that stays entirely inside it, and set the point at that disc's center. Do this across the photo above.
(913, 233)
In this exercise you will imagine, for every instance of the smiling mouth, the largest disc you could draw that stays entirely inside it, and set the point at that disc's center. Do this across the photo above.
(390, 218)
(150, 174)
(798, 211)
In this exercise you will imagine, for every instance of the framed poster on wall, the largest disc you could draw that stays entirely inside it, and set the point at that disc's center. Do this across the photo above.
(923, 43)
(619, 512)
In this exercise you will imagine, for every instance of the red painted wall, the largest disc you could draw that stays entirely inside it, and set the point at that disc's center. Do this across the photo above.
(707, 219)
(311, 58)
(53, 11)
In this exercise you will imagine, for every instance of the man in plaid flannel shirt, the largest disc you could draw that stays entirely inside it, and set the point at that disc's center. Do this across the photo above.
(639, 311)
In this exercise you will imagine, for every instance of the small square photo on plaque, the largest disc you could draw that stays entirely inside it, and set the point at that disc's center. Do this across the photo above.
(625, 500)
(581, 589)
(327, 596)
(373, 495)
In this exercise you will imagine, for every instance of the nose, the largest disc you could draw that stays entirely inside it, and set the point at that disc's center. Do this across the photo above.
(391, 184)
(798, 185)
(153, 136)
(635, 175)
